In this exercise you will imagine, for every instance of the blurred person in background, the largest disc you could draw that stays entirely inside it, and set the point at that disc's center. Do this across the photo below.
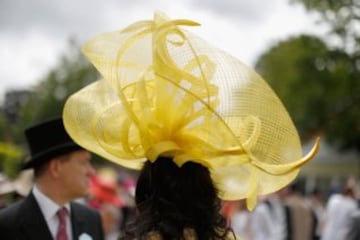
(104, 197)
(228, 208)
(315, 202)
(279, 214)
(262, 224)
(301, 220)
(127, 183)
(240, 220)
(338, 213)
(62, 170)
(269, 219)
(353, 230)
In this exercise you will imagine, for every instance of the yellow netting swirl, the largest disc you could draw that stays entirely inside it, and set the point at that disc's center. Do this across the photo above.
(167, 92)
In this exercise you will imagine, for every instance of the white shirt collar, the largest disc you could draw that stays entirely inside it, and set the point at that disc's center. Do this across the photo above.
(48, 207)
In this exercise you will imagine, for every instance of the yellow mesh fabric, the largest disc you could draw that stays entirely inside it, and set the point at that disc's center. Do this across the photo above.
(167, 92)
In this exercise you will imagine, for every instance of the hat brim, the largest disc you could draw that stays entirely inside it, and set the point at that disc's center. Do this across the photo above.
(45, 156)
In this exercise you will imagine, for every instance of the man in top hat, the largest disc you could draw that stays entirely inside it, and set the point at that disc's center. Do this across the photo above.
(62, 170)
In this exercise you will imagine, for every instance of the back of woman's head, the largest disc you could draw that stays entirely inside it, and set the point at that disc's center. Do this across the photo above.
(171, 199)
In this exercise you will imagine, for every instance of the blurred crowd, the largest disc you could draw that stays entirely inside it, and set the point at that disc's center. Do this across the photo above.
(287, 214)
(291, 215)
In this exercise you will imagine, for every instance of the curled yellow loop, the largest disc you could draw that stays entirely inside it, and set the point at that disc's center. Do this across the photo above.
(285, 168)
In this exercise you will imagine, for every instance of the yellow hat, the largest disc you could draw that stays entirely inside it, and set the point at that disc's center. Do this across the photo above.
(167, 92)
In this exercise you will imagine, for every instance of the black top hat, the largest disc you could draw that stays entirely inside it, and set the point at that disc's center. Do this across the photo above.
(47, 140)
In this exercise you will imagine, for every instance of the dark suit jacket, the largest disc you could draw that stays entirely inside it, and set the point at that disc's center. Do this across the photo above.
(23, 220)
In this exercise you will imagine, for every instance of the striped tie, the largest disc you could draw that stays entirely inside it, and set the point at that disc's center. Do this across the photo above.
(61, 232)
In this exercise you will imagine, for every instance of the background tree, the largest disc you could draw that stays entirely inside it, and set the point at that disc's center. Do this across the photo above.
(343, 18)
(2, 126)
(45, 101)
(10, 156)
(47, 98)
(319, 86)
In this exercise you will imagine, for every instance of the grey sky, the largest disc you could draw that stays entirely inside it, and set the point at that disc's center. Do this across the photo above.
(61, 17)
(33, 33)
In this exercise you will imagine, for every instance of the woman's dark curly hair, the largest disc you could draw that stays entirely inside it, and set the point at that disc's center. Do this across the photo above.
(171, 198)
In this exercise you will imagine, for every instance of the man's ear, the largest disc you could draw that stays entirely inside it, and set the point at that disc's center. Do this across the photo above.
(55, 167)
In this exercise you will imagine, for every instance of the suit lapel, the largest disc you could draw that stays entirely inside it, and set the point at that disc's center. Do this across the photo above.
(77, 221)
(33, 224)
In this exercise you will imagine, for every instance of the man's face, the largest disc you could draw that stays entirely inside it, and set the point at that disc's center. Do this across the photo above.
(75, 174)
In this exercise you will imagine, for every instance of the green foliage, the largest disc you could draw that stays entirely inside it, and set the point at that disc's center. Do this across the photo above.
(10, 156)
(343, 17)
(46, 100)
(2, 127)
(48, 97)
(318, 86)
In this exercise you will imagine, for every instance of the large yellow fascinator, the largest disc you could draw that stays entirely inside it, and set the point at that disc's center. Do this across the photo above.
(166, 92)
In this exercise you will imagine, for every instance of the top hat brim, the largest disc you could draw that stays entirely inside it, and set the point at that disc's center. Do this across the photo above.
(47, 155)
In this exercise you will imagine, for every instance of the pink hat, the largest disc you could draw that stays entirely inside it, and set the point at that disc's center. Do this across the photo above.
(105, 191)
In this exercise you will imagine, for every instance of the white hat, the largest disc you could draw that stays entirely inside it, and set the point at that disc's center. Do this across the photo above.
(23, 183)
(6, 186)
